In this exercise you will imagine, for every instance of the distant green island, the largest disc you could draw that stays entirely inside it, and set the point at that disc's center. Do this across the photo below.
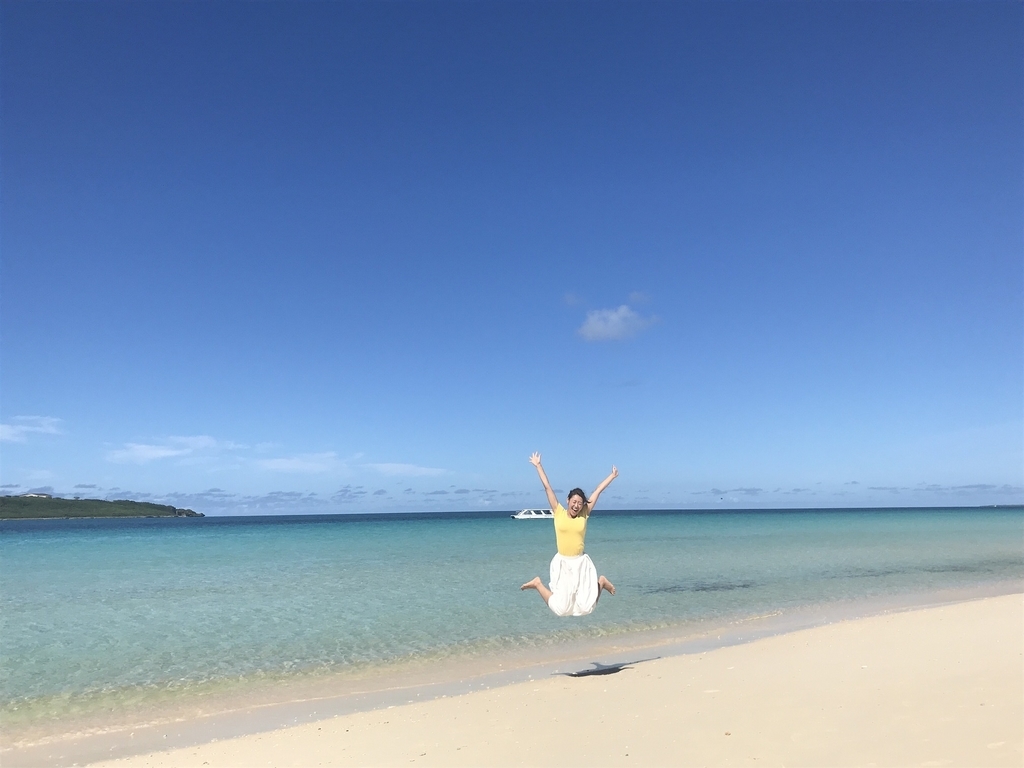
(12, 507)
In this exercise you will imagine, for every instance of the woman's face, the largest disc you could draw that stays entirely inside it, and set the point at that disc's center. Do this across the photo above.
(575, 505)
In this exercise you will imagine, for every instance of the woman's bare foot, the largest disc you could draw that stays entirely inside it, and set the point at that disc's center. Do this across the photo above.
(603, 583)
(536, 583)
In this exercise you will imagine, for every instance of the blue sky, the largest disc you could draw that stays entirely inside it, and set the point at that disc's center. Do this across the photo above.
(285, 257)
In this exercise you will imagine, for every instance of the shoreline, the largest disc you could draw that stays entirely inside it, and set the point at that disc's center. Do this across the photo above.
(267, 709)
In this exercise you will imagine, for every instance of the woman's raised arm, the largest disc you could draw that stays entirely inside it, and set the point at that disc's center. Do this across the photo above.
(552, 499)
(604, 484)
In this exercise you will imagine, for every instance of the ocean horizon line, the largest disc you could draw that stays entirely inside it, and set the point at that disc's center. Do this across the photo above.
(487, 513)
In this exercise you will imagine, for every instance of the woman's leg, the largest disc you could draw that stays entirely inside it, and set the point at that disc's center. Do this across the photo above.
(537, 584)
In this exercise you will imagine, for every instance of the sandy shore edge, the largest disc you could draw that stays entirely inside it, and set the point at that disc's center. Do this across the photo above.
(941, 686)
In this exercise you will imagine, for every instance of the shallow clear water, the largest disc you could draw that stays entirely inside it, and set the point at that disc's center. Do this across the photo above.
(92, 606)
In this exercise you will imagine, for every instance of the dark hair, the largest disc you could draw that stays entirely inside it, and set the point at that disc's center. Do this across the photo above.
(578, 492)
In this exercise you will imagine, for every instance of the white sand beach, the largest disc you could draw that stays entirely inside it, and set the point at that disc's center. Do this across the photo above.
(936, 686)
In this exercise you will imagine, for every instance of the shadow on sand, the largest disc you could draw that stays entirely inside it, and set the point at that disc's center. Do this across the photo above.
(605, 669)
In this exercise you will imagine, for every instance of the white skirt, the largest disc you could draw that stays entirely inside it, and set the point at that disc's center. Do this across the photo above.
(573, 586)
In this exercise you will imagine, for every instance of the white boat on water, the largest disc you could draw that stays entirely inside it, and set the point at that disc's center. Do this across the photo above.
(533, 514)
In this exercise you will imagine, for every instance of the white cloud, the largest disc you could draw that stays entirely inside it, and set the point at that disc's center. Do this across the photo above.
(24, 426)
(309, 463)
(612, 324)
(189, 445)
(405, 470)
(196, 442)
(141, 453)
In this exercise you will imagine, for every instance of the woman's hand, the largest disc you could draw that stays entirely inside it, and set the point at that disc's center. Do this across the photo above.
(600, 489)
(535, 460)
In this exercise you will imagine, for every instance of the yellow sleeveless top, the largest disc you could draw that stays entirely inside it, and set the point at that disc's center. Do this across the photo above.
(570, 531)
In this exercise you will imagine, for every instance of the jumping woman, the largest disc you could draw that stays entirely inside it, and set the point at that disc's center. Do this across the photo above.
(575, 585)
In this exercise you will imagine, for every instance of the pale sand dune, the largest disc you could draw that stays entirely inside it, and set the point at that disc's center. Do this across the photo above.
(939, 686)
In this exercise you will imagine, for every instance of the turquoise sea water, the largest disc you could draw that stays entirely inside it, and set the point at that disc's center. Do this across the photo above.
(100, 607)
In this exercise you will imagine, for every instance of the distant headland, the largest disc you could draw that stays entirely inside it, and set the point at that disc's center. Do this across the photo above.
(42, 505)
